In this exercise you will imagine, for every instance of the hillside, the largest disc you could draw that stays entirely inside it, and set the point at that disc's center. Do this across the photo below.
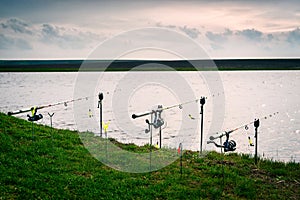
(54, 164)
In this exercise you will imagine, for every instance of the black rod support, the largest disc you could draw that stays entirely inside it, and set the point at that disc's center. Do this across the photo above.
(50, 115)
(160, 137)
(180, 149)
(256, 125)
(150, 127)
(100, 111)
(202, 102)
(100, 96)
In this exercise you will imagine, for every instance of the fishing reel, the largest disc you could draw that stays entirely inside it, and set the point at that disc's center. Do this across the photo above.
(34, 116)
(158, 120)
(229, 146)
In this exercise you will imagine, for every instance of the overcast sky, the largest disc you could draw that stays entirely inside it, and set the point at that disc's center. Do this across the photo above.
(50, 29)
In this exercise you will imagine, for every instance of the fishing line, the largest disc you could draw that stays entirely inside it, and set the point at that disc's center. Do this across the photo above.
(180, 106)
(65, 103)
(219, 135)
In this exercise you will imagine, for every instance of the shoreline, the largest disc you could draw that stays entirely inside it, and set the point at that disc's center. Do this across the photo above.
(148, 65)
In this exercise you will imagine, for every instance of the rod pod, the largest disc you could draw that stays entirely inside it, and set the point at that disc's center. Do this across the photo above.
(51, 115)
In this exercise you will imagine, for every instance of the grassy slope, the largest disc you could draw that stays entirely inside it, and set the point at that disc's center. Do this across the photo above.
(55, 164)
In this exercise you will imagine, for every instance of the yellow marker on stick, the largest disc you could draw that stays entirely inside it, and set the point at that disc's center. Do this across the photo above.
(90, 113)
(191, 116)
(250, 141)
(33, 111)
(105, 126)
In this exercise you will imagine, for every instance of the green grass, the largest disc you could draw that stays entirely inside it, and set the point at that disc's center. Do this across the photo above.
(55, 165)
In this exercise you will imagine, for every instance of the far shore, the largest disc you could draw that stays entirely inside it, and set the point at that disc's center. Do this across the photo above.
(148, 65)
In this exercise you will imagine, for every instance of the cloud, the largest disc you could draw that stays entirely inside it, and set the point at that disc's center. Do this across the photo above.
(50, 31)
(23, 44)
(270, 37)
(159, 24)
(216, 46)
(219, 37)
(252, 43)
(5, 42)
(192, 32)
(251, 34)
(239, 35)
(19, 34)
(251, 38)
(293, 37)
(16, 25)
(67, 37)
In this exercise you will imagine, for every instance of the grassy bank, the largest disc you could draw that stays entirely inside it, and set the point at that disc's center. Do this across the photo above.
(54, 164)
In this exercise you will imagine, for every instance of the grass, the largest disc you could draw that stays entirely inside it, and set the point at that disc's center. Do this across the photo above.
(54, 164)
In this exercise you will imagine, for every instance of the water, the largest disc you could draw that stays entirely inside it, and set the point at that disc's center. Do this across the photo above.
(246, 95)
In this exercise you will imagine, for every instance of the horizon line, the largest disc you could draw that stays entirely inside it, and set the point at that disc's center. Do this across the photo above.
(145, 59)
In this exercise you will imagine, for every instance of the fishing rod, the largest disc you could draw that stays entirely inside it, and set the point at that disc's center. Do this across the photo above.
(134, 116)
(46, 106)
(225, 133)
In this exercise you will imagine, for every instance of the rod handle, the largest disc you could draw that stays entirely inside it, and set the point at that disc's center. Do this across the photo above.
(141, 115)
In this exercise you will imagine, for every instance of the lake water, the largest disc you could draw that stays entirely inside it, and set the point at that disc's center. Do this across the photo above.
(245, 95)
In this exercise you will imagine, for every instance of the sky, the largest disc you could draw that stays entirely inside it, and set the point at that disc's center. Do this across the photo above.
(73, 29)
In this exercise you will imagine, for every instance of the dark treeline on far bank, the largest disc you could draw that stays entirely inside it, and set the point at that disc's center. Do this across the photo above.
(147, 65)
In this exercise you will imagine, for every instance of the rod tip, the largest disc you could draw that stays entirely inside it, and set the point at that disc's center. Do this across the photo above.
(133, 116)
